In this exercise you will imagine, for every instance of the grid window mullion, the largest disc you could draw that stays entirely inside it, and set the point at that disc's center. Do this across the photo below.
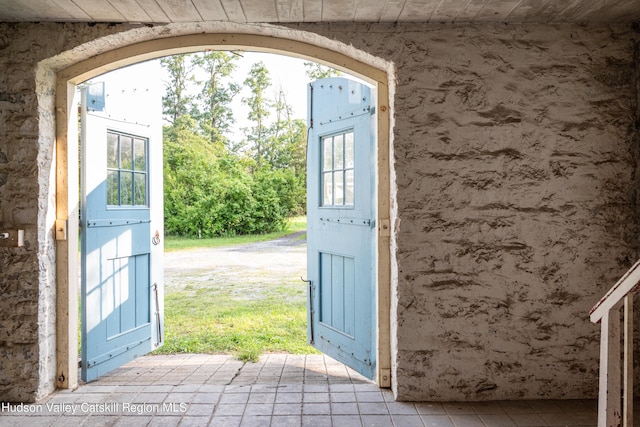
(338, 169)
(126, 181)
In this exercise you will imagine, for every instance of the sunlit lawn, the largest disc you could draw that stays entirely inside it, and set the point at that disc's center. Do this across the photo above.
(244, 319)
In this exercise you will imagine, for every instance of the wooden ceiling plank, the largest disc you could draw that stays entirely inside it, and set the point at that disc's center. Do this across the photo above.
(418, 10)
(368, 10)
(44, 9)
(586, 13)
(539, 11)
(154, 11)
(34, 10)
(234, 11)
(260, 10)
(210, 10)
(612, 11)
(13, 12)
(10, 11)
(338, 10)
(448, 10)
(392, 10)
(312, 10)
(290, 10)
(162, 11)
(72, 9)
(575, 8)
(469, 13)
(626, 13)
(100, 11)
(547, 13)
(496, 10)
(131, 10)
(179, 10)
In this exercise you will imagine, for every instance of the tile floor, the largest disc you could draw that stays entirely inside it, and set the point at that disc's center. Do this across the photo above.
(280, 390)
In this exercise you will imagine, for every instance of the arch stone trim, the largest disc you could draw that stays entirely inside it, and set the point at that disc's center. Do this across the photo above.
(148, 43)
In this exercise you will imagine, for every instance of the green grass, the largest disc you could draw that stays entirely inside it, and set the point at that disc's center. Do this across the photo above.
(173, 243)
(245, 320)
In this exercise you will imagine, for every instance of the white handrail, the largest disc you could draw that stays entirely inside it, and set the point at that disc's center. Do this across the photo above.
(611, 411)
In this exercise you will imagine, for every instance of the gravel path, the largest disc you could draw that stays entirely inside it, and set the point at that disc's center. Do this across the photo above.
(267, 262)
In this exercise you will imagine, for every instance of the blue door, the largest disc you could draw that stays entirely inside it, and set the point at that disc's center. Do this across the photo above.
(121, 264)
(341, 222)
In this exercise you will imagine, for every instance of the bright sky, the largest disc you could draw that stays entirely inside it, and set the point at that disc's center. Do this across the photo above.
(285, 71)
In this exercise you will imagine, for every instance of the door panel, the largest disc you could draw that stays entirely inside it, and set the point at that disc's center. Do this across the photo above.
(337, 292)
(341, 222)
(121, 261)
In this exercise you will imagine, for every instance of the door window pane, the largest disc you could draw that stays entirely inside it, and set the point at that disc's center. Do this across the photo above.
(327, 186)
(139, 153)
(338, 188)
(127, 170)
(338, 169)
(126, 152)
(327, 153)
(348, 187)
(139, 189)
(112, 151)
(126, 188)
(338, 152)
(113, 192)
(348, 151)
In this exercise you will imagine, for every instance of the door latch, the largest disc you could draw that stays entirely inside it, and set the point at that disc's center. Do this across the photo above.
(158, 318)
(310, 308)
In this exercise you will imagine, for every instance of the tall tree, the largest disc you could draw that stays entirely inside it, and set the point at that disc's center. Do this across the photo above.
(177, 100)
(281, 133)
(316, 71)
(216, 115)
(258, 82)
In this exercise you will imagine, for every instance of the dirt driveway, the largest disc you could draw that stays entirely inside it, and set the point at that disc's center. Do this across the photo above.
(264, 263)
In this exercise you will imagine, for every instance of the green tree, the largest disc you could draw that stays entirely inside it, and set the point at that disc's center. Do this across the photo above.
(177, 100)
(287, 136)
(211, 189)
(217, 92)
(209, 194)
(316, 71)
(258, 82)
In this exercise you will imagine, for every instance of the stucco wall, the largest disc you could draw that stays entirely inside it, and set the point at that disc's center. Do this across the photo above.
(515, 154)
(27, 201)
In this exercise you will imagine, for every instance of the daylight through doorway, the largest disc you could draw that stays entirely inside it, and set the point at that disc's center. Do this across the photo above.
(202, 295)
(71, 76)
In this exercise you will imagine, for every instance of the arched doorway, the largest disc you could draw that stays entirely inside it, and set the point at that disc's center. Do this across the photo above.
(278, 41)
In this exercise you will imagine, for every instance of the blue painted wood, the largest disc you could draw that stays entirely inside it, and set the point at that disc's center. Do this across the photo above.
(341, 222)
(119, 320)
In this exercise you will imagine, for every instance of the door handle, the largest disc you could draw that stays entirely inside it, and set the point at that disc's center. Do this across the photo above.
(158, 319)
(156, 238)
(310, 308)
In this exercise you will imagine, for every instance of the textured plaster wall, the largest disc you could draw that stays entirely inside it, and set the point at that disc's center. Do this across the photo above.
(515, 156)
(27, 201)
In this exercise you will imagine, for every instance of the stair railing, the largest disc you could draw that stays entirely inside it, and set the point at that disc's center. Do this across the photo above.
(615, 400)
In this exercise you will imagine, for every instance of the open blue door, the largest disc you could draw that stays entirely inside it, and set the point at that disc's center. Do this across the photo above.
(341, 222)
(121, 225)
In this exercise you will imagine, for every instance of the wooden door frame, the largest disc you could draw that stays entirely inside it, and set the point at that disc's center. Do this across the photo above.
(67, 178)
